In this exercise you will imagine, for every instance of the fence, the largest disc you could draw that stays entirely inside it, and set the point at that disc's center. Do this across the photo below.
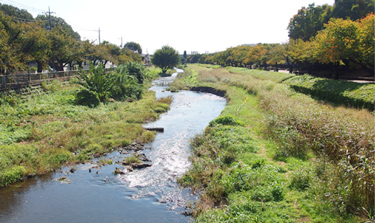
(19, 81)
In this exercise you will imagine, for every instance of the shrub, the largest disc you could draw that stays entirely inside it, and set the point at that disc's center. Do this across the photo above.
(301, 179)
(131, 159)
(135, 69)
(11, 175)
(87, 98)
(226, 120)
(96, 80)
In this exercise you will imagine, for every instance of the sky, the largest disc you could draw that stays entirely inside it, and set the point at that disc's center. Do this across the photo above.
(194, 25)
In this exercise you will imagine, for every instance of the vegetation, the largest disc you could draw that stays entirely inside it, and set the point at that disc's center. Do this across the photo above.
(323, 39)
(337, 92)
(133, 46)
(166, 58)
(123, 83)
(308, 21)
(24, 39)
(276, 155)
(43, 131)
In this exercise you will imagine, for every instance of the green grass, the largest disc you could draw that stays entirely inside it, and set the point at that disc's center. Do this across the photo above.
(292, 160)
(337, 92)
(43, 131)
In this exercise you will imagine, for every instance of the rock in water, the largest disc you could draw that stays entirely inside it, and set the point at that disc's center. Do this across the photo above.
(119, 171)
(140, 165)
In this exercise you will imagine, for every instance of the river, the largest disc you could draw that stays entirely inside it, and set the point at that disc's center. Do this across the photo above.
(92, 193)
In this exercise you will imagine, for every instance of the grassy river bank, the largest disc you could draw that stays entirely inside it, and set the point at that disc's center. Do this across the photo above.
(42, 131)
(276, 155)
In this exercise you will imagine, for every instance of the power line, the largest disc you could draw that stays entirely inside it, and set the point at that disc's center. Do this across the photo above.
(49, 18)
(78, 26)
(40, 11)
(16, 4)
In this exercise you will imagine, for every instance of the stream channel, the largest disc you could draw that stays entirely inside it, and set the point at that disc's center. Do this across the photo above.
(93, 193)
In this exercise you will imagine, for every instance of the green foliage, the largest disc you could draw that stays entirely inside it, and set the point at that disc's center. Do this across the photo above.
(119, 85)
(43, 131)
(325, 153)
(353, 9)
(133, 46)
(16, 12)
(96, 80)
(226, 120)
(166, 58)
(125, 83)
(131, 159)
(135, 69)
(301, 179)
(346, 93)
(87, 98)
(308, 21)
(11, 175)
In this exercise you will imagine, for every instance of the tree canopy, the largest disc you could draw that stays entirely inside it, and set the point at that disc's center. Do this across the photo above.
(133, 46)
(17, 13)
(308, 21)
(343, 44)
(24, 39)
(57, 22)
(166, 58)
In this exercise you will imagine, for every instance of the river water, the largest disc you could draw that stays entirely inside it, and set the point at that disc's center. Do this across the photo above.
(92, 193)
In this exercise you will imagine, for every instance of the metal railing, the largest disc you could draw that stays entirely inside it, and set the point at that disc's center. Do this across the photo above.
(18, 81)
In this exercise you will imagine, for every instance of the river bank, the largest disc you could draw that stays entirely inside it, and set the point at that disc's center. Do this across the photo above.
(44, 130)
(124, 183)
(270, 156)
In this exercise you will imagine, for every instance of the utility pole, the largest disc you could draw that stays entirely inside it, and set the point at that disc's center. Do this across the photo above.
(121, 42)
(49, 19)
(99, 35)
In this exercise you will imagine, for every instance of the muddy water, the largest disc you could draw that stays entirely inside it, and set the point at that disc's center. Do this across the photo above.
(92, 193)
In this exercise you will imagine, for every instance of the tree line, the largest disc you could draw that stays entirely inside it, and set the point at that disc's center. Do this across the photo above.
(323, 39)
(24, 39)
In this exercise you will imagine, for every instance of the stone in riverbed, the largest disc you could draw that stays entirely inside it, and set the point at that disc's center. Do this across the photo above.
(140, 165)
(119, 171)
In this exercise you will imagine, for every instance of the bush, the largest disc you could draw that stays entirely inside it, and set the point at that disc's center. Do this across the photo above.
(301, 179)
(135, 69)
(11, 175)
(226, 120)
(87, 98)
(131, 159)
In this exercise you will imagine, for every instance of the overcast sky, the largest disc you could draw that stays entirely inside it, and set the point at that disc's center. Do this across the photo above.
(194, 25)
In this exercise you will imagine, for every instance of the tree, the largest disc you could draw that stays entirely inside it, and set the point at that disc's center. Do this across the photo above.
(353, 9)
(35, 45)
(20, 14)
(301, 53)
(338, 43)
(133, 46)
(62, 49)
(308, 21)
(367, 39)
(166, 58)
(59, 22)
(257, 55)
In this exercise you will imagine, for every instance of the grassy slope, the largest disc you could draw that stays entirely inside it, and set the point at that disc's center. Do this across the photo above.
(339, 92)
(265, 171)
(42, 132)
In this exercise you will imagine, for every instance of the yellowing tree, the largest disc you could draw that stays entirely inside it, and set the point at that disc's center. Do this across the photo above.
(337, 43)
(257, 55)
(347, 42)
(366, 41)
